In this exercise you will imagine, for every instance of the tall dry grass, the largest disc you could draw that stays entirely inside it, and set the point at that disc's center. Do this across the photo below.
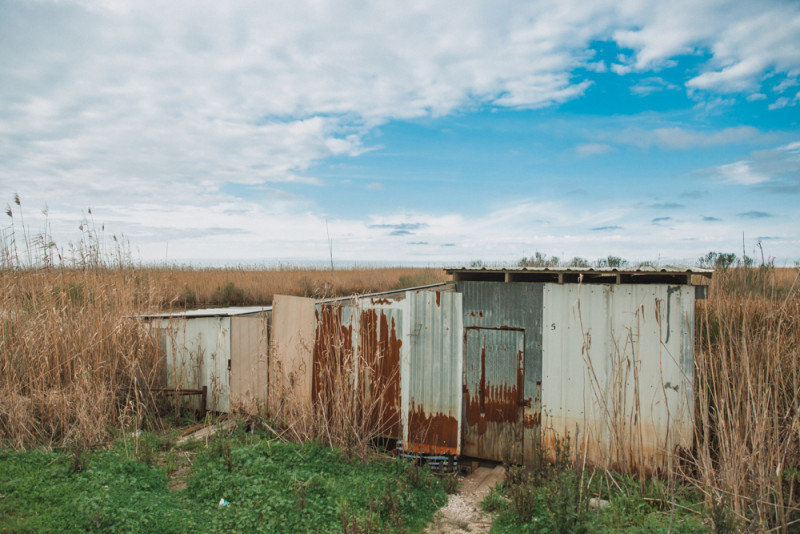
(70, 361)
(243, 286)
(747, 385)
(74, 361)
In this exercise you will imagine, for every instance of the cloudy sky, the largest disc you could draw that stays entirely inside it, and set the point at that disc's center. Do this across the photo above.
(430, 132)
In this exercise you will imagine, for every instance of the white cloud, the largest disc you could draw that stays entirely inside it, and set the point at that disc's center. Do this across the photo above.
(652, 85)
(781, 103)
(740, 172)
(746, 39)
(774, 170)
(675, 137)
(593, 149)
(786, 83)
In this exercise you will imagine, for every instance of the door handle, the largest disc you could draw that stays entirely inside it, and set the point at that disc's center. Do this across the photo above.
(526, 403)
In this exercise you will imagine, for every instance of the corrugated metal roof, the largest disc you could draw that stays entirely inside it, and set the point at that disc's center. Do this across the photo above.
(571, 275)
(210, 312)
(247, 310)
(669, 269)
(398, 293)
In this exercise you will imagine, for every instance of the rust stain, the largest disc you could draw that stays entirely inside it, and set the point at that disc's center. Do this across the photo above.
(502, 404)
(380, 302)
(431, 433)
(496, 404)
(482, 387)
(493, 410)
(333, 350)
(438, 299)
(380, 376)
(532, 419)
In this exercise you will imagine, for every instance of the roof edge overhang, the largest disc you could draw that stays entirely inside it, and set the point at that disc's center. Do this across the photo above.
(586, 275)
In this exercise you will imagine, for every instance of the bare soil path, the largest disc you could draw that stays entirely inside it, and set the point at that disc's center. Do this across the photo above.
(461, 513)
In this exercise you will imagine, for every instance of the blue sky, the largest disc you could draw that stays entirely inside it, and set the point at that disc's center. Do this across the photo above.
(426, 132)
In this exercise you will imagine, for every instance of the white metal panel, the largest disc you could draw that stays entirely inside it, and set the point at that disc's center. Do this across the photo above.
(198, 352)
(617, 370)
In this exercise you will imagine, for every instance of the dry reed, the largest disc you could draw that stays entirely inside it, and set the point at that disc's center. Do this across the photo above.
(747, 387)
(74, 363)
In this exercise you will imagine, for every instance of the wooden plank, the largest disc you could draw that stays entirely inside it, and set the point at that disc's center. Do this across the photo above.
(291, 357)
(249, 339)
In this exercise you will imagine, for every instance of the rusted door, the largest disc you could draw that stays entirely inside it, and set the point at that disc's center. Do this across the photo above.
(494, 378)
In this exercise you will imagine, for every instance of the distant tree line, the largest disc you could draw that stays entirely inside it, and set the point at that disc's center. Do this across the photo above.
(714, 260)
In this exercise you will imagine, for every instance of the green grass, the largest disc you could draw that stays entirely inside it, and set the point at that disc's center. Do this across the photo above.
(555, 503)
(270, 487)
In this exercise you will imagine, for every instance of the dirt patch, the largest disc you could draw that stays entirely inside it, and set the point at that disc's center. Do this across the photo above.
(179, 477)
(461, 513)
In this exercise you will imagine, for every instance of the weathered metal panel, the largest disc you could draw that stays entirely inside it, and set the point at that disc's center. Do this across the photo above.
(513, 305)
(198, 354)
(432, 405)
(357, 352)
(335, 356)
(493, 379)
(618, 370)
(290, 365)
(249, 342)
(380, 333)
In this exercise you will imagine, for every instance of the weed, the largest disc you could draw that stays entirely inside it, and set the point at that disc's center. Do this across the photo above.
(230, 295)
(449, 482)
(723, 521)
(495, 500)
(79, 456)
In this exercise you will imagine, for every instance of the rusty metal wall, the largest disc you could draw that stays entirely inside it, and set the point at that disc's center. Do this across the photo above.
(357, 349)
(380, 346)
(516, 305)
(432, 374)
(618, 370)
(494, 377)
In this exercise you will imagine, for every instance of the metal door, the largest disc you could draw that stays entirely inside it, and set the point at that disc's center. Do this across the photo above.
(494, 378)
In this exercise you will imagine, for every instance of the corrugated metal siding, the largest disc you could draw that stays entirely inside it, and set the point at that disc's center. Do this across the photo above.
(513, 305)
(358, 347)
(380, 335)
(432, 406)
(334, 361)
(617, 370)
(198, 352)
(494, 376)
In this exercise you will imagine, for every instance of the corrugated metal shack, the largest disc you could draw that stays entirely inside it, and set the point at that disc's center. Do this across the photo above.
(223, 349)
(498, 364)
(604, 356)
